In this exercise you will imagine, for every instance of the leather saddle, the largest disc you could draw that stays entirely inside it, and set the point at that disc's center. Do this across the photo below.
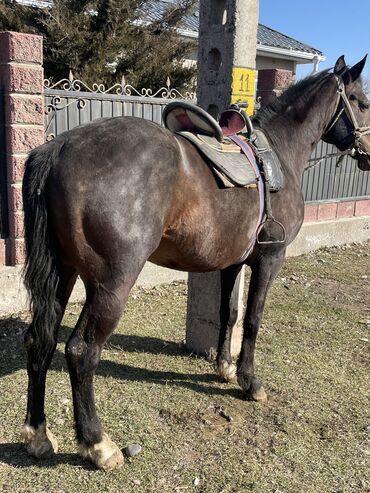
(211, 138)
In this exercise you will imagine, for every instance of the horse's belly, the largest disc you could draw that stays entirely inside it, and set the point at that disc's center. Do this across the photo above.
(192, 255)
(177, 262)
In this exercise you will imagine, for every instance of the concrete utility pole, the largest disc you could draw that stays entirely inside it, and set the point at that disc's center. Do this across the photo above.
(226, 74)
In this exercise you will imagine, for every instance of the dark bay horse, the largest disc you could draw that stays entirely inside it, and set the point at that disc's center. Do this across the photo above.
(103, 198)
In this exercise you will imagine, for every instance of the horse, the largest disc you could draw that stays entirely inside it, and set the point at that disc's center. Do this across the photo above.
(103, 198)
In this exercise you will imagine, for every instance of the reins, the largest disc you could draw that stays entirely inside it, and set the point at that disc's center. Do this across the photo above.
(341, 155)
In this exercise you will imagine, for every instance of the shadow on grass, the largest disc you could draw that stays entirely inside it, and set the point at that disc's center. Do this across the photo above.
(15, 455)
(13, 355)
(196, 382)
(14, 359)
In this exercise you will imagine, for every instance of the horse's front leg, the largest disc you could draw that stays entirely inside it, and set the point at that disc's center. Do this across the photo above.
(264, 271)
(230, 287)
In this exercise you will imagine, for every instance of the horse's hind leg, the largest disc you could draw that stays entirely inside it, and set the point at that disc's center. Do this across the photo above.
(98, 319)
(39, 440)
(230, 282)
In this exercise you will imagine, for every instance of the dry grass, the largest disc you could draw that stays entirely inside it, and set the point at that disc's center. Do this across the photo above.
(312, 436)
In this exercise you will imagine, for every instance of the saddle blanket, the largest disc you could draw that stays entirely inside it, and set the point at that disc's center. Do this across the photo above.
(230, 164)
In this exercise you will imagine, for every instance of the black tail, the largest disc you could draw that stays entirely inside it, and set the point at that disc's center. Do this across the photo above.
(40, 272)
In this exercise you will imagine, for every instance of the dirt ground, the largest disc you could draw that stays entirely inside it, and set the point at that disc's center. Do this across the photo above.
(200, 435)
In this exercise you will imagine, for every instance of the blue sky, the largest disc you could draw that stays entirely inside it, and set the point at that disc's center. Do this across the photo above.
(335, 27)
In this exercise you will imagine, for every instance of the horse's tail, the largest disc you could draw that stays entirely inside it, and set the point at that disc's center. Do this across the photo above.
(41, 275)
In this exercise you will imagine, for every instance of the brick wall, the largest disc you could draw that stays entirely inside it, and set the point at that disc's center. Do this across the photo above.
(325, 211)
(21, 83)
(272, 82)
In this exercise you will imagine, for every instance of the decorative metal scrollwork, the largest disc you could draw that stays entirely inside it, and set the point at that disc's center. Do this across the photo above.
(56, 105)
(122, 89)
(74, 87)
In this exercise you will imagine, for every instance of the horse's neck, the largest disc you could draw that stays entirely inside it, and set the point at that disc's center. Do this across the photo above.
(295, 140)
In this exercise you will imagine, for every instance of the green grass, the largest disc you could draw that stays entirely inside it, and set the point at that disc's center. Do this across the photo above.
(312, 435)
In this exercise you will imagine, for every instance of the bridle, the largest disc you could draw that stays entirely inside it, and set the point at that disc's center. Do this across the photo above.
(357, 130)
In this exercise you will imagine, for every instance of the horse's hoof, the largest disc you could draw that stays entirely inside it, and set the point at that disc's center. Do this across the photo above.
(258, 395)
(40, 442)
(227, 372)
(105, 454)
(253, 390)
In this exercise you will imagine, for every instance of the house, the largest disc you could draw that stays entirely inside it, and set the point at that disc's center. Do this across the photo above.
(277, 54)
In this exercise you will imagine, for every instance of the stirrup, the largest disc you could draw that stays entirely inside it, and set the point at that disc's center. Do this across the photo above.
(271, 242)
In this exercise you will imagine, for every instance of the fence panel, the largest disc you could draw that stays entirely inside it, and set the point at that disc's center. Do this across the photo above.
(327, 181)
(66, 110)
(71, 102)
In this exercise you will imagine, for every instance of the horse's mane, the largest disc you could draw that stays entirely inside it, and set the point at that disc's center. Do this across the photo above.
(298, 95)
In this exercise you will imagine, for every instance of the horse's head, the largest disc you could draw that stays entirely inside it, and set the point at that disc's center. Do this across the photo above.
(349, 128)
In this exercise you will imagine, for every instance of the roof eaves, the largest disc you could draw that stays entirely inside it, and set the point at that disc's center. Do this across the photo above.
(289, 54)
(265, 50)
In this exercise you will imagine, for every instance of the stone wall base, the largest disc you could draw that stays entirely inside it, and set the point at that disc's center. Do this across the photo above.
(318, 234)
(13, 296)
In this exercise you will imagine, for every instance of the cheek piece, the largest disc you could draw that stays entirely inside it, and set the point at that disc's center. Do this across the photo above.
(357, 131)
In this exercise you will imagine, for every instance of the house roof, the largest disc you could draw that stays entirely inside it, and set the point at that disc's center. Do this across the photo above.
(155, 9)
(268, 39)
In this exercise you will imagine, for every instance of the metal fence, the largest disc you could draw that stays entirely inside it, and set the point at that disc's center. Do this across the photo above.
(327, 181)
(71, 102)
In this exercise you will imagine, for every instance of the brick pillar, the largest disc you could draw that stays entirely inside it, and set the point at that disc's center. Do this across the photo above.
(272, 82)
(21, 86)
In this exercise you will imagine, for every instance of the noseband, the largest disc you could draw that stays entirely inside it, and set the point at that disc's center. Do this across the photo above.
(357, 131)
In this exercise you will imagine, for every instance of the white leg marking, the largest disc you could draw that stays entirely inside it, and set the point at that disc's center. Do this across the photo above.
(40, 442)
(227, 372)
(105, 454)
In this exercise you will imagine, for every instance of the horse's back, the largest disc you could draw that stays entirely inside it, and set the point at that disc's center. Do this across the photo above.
(120, 141)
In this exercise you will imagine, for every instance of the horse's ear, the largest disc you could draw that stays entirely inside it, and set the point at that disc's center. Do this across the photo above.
(340, 65)
(341, 69)
(356, 70)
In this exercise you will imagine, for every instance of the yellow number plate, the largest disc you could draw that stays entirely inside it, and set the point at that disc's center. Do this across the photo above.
(243, 87)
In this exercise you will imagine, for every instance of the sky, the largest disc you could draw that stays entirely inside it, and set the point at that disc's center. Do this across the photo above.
(335, 27)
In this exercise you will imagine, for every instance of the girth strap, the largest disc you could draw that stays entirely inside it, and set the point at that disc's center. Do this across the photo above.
(265, 211)
(246, 149)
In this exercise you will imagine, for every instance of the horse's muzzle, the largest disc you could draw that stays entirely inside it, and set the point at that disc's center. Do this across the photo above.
(363, 161)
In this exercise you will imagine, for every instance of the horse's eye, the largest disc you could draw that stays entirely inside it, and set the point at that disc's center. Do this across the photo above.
(352, 97)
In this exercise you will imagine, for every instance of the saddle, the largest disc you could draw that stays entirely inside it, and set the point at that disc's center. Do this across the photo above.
(215, 142)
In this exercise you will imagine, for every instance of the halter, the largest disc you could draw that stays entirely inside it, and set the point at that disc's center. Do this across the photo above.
(358, 131)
